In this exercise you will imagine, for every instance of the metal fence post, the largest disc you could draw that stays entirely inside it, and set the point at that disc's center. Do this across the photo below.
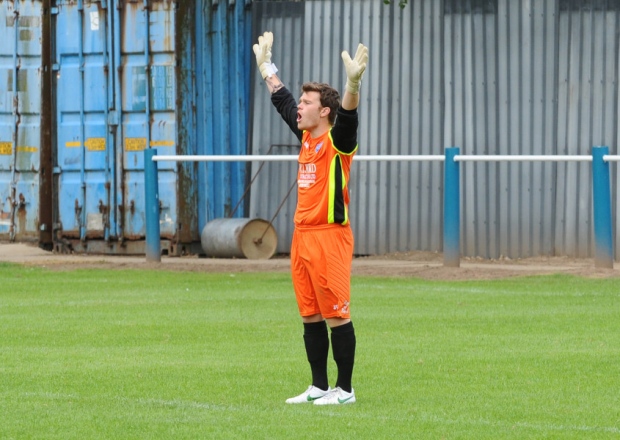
(603, 238)
(451, 210)
(151, 201)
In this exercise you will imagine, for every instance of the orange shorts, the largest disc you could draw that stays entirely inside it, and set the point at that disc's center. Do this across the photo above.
(321, 260)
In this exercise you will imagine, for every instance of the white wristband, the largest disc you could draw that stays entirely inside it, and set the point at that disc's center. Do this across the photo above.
(268, 69)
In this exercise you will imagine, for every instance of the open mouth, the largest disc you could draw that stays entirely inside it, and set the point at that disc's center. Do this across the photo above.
(298, 116)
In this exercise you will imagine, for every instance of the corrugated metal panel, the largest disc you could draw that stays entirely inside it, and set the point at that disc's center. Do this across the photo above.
(20, 118)
(489, 76)
(536, 84)
(500, 69)
(394, 206)
(587, 114)
(399, 205)
(223, 63)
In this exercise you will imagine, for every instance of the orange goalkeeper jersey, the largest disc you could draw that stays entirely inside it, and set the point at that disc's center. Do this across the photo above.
(324, 164)
(322, 182)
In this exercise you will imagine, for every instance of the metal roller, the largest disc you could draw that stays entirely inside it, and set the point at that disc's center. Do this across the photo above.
(254, 239)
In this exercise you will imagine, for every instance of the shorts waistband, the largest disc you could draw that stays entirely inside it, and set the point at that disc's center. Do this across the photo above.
(321, 227)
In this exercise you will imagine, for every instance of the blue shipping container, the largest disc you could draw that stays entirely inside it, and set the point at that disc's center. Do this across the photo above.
(132, 75)
(20, 114)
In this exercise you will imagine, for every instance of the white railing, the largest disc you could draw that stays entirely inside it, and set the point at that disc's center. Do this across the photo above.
(451, 158)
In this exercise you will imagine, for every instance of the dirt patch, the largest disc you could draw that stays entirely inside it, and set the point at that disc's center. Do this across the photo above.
(429, 265)
(426, 265)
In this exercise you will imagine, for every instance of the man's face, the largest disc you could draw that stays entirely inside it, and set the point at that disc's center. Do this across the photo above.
(309, 111)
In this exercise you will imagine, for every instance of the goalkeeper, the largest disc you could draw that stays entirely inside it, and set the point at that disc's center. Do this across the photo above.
(322, 247)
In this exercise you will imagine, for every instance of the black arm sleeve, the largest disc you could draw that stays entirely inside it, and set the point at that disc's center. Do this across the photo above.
(344, 132)
(286, 105)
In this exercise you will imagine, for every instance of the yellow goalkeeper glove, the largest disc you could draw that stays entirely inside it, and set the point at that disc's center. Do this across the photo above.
(262, 50)
(355, 68)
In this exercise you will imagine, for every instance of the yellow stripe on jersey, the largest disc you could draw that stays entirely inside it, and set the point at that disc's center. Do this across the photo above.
(332, 190)
(335, 192)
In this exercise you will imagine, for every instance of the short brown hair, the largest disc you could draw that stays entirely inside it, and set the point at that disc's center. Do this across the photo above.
(329, 97)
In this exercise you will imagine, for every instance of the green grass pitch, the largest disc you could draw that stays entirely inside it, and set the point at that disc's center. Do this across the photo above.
(115, 354)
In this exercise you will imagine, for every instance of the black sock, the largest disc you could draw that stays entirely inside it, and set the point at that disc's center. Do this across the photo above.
(316, 340)
(343, 346)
